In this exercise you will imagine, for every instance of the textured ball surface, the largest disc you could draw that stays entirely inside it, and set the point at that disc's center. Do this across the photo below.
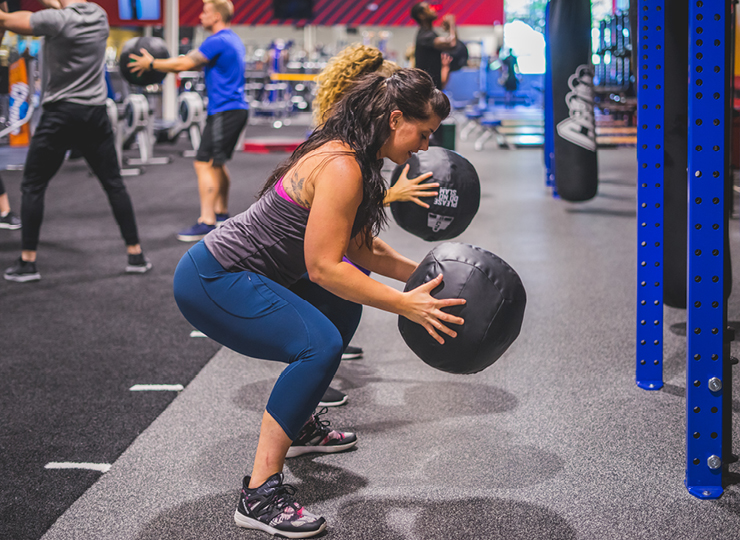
(493, 312)
(157, 47)
(452, 210)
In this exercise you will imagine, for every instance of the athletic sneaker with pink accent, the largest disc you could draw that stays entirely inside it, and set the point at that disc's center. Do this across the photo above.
(317, 436)
(272, 508)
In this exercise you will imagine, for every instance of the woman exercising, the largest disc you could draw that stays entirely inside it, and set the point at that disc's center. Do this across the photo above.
(340, 73)
(324, 202)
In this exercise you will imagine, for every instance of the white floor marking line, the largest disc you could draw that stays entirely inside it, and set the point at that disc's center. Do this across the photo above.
(197, 333)
(157, 387)
(102, 467)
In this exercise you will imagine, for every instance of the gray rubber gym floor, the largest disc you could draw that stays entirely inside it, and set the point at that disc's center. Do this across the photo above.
(554, 441)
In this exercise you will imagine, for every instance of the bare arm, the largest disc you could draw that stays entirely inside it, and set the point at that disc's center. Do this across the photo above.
(189, 62)
(381, 259)
(445, 43)
(4, 9)
(51, 4)
(18, 22)
(337, 195)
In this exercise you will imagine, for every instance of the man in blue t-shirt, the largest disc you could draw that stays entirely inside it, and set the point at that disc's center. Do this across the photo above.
(222, 54)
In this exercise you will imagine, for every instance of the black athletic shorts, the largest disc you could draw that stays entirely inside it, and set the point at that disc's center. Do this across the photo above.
(220, 135)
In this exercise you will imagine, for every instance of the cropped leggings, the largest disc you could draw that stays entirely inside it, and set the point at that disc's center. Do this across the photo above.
(304, 326)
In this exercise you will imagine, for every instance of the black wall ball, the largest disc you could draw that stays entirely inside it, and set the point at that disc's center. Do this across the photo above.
(452, 210)
(493, 312)
(157, 47)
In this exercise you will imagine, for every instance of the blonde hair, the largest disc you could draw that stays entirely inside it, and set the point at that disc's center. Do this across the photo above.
(224, 7)
(342, 71)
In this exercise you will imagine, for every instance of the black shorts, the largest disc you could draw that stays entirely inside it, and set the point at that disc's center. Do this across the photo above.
(220, 135)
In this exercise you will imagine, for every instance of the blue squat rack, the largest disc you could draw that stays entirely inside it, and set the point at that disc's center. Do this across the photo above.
(708, 363)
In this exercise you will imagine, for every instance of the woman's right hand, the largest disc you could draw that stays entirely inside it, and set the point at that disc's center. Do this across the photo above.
(422, 308)
(410, 189)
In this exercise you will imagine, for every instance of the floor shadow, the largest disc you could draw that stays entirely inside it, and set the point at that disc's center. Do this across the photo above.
(415, 401)
(322, 482)
(616, 197)
(678, 329)
(617, 182)
(204, 518)
(507, 466)
(673, 390)
(478, 518)
(603, 212)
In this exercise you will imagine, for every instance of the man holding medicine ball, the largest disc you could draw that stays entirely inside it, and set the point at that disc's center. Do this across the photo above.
(222, 54)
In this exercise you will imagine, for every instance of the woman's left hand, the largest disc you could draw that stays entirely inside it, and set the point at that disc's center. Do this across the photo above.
(410, 189)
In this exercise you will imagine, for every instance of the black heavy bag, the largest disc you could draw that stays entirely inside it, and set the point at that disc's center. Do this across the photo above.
(576, 172)
(452, 210)
(675, 156)
(156, 47)
(493, 312)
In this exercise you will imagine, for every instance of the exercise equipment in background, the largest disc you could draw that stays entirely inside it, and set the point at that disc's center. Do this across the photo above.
(452, 209)
(493, 312)
(191, 119)
(112, 109)
(136, 126)
(157, 47)
(576, 168)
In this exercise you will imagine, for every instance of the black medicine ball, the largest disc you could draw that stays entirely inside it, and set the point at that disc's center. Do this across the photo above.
(156, 47)
(452, 210)
(493, 312)
(459, 54)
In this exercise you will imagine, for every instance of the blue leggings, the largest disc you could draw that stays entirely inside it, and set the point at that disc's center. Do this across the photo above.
(305, 326)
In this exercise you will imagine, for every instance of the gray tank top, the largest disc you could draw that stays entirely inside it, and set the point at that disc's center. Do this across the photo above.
(267, 239)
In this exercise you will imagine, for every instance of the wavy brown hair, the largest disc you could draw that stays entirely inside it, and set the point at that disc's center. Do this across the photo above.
(361, 120)
(342, 71)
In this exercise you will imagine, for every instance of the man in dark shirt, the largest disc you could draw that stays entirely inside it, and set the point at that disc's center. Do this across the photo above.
(74, 115)
(430, 45)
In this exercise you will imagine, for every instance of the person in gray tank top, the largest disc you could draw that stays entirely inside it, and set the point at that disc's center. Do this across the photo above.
(74, 115)
(239, 285)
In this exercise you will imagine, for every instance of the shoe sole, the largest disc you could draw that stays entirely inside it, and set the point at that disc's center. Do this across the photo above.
(249, 523)
(295, 451)
(138, 269)
(333, 403)
(190, 238)
(351, 356)
(9, 227)
(24, 278)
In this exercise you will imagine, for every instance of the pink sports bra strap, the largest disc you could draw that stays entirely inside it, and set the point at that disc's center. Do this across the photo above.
(281, 191)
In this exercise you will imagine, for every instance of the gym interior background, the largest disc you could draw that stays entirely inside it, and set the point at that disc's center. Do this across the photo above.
(599, 421)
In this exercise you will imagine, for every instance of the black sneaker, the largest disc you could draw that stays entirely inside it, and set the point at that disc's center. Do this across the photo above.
(138, 264)
(317, 436)
(22, 271)
(352, 353)
(10, 221)
(272, 508)
(333, 398)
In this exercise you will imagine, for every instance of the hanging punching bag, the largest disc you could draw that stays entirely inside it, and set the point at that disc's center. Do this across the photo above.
(675, 154)
(549, 127)
(576, 171)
